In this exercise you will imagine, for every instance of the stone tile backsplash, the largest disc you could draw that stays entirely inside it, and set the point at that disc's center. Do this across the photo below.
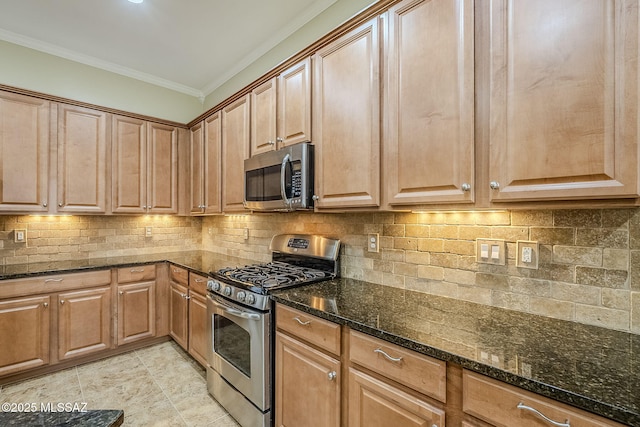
(589, 261)
(53, 238)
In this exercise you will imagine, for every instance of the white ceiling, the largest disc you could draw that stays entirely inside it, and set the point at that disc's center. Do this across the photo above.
(192, 46)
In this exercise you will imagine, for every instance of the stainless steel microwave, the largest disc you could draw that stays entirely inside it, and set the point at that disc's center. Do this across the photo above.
(280, 180)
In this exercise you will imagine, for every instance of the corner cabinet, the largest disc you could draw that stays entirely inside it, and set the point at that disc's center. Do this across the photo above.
(24, 144)
(563, 79)
(428, 153)
(346, 119)
(235, 149)
(206, 166)
(145, 167)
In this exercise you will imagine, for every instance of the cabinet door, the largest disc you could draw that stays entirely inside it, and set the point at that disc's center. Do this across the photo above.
(82, 160)
(24, 153)
(263, 117)
(84, 322)
(429, 134)
(563, 124)
(24, 334)
(235, 149)
(213, 163)
(178, 314)
(136, 312)
(162, 169)
(198, 340)
(129, 179)
(346, 120)
(307, 385)
(196, 168)
(374, 403)
(294, 104)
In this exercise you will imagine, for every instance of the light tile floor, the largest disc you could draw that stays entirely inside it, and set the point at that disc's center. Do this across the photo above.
(159, 385)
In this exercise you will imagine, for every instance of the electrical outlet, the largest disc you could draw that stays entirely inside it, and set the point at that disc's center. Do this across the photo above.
(245, 233)
(20, 236)
(527, 254)
(147, 231)
(373, 242)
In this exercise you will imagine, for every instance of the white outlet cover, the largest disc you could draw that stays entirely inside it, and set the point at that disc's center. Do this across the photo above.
(527, 254)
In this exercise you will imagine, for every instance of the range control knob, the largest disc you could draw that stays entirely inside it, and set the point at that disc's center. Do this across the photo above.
(250, 299)
(241, 295)
(227, 291)
(212, 285)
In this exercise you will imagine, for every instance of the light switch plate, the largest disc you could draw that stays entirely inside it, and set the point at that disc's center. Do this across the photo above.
(491, 251)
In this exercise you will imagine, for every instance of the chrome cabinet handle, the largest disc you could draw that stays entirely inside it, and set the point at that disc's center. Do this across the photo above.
(271, 142)
(121, 293)
(60, 204)
(53, 280)
(187, 297)
(543, 416)
(297, 319)
(386, 355)
(138, 270)
(45, 304)
(466, 186)
(315, 198)
(332, 375)
(44, 204)
(200, 280)
(61, 302)
(495, 185)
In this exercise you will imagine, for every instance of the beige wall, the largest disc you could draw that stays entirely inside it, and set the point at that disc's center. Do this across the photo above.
(56, 238)
(589, 263)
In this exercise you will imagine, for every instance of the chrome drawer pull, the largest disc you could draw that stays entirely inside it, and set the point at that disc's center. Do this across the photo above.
(199, 280)
(53, 280)
(140, 270)
(384, 353)
(332, 375)
(543, 416)
(301, 322)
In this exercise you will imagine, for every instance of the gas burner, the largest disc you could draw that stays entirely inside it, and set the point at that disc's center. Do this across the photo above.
(273, 274)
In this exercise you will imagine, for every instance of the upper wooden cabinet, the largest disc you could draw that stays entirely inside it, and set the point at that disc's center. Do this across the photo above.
(563, 104)
(281, 109)
(346, 119)
(82, 160)
(206, 166)
(24, 153)
(235, 149)
(429, 109)
(145, 167)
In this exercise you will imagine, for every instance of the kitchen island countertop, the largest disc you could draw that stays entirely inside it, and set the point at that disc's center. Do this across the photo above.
(92, 418)
(589, 367)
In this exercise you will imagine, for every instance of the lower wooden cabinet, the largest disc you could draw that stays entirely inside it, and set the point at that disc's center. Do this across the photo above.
(198, 341)
(84, 322)
(178, 314)
(307, 385)
(136, 312)
(24, 333)
(376, 403)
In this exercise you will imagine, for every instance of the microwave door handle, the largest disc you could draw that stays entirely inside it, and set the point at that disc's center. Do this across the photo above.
(283, 190)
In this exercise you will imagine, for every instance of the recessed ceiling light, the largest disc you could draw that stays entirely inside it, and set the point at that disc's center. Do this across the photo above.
(136, 1)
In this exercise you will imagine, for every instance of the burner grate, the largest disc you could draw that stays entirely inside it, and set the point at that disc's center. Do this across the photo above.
(273, 274)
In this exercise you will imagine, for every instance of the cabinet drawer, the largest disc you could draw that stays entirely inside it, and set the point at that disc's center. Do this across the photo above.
(497, 403)
(53, 283)
(139, 273)
(422, 373)
(314, 330)
(198, 284)
(180, 275)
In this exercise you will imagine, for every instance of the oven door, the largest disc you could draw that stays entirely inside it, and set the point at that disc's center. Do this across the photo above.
(240, 348)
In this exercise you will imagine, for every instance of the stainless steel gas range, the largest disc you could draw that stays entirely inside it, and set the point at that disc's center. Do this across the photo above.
(240, 356)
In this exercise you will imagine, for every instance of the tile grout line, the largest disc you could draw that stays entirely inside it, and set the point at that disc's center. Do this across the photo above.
(161, 388)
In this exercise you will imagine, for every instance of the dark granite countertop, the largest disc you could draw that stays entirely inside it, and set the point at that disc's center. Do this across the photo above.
(592, 368)
(93, 418)
(197, 261)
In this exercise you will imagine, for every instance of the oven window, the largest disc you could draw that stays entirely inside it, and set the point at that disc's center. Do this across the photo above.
(232, 343)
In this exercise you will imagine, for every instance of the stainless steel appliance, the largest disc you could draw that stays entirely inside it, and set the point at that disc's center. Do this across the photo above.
(240, 327)
(280, 180)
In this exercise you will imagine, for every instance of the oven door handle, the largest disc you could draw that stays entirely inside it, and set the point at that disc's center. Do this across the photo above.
(283, 185)
(234, 311)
